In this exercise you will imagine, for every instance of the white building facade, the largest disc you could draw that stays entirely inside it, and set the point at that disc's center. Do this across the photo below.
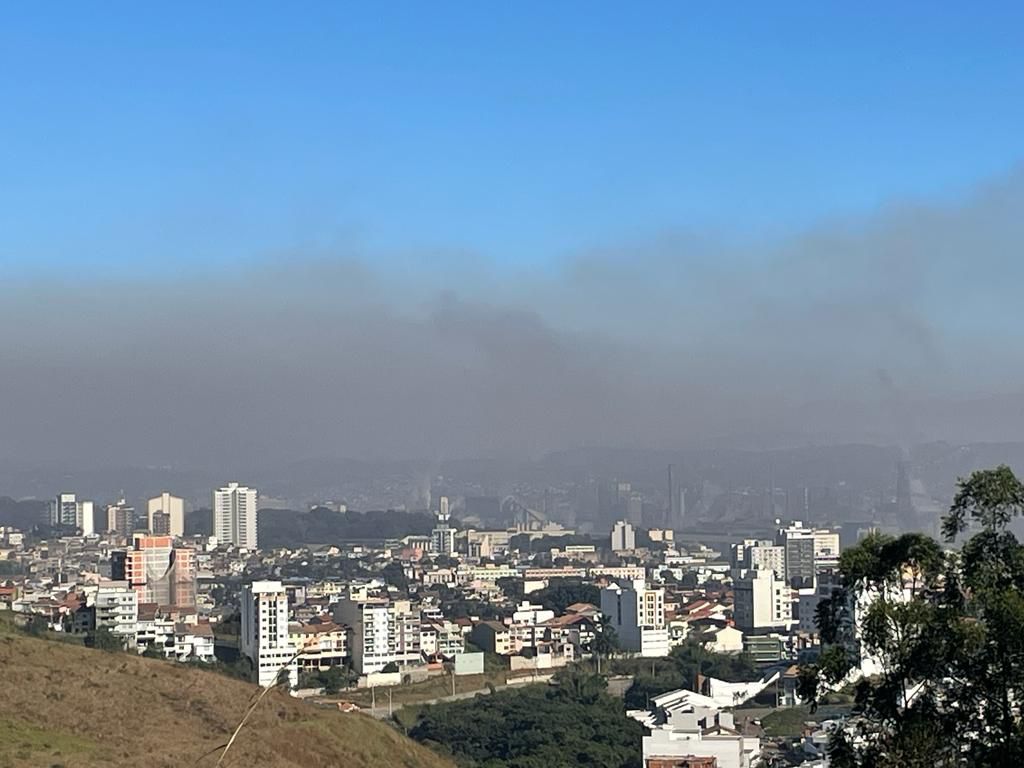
(264, 638)
(623, 537)
(699, 734)
(234, 515)
(762, 601)
(174, 509)
(382, 631)
(67, 510)
(117, 610)
(637, 614)
(442, 537)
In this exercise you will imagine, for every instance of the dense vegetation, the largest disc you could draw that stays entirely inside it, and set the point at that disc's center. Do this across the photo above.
(561, 593)
(679, 670)
(287, 528)
(946, 634)
(332, 680)
(572, 724)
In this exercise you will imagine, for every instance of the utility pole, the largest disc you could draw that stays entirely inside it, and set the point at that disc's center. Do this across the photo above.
(390, 710)
(453, 681)
(373, 700)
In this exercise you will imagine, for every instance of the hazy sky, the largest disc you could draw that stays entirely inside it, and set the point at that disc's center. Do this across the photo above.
(239, 233)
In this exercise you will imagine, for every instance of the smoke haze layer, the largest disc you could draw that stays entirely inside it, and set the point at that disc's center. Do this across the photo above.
(894, 328)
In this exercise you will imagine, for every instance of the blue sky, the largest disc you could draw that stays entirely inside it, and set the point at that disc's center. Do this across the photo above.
(136, 139)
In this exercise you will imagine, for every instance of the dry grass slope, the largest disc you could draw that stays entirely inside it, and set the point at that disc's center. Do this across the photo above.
(62, 705)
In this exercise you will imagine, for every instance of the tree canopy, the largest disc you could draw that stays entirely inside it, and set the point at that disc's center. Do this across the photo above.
(561, 593)
(288, 528)
(932, 641)
(570, 724)
(680, 670)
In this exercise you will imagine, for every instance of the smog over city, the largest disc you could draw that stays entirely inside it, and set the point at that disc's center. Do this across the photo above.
(889, 327)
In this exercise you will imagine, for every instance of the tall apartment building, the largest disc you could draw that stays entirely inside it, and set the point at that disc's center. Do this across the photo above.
(117, 610)
(759, 555)
(234, 515)
(623, 537)
(67, 510)
(826, 549)
(762, 601)
(264, 635)
(635, 509)
(442, 537)
(165, 515)
(637, 614)
(121, 519)
(158, 571)
(798, 542)
(382, 631)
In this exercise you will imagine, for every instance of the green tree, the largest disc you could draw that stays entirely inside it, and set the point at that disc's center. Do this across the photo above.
(335, 679)
(511, 587)
(685, 663)
(576, 684)
(572, 724)
(103, 639)
(394, 574)
(561, 593)
(606, 639)
(933, 640)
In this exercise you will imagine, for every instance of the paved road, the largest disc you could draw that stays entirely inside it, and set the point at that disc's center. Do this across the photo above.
(617, 686)
(381, 712)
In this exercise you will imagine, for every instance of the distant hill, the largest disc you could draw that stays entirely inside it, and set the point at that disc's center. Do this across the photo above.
(21, 514)
(287, 528)
(65, 705)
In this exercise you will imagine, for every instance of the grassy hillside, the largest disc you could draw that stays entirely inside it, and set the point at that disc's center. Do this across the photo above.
(63, 705)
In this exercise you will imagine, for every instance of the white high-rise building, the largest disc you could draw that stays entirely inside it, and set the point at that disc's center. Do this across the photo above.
(234, 515)
(121, 519)
(174, 509)
(637, 614)
(762, 601)
(826, 548)
(264, 636)
(623, 537)
(798, 542)
(442, 538)
(758, 555)
(383, 631)
(67, 510)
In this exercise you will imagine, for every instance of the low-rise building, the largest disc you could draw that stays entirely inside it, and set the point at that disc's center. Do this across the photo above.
(382, 631)
(637, 614)
(117, 610)
(762, 602)
(194, 642)
(493, 637)
(440, 637)
(689, 735)
(321, 645)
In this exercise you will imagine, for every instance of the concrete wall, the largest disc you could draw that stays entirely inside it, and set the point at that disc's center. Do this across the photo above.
(469, 664)
(380, 679)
